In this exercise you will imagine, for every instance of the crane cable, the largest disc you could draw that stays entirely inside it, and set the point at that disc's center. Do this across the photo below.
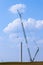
(37, 47)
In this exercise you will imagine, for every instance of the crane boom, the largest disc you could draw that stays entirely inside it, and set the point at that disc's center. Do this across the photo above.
(24, 35)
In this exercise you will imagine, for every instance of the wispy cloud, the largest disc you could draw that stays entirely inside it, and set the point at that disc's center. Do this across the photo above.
(16, 7)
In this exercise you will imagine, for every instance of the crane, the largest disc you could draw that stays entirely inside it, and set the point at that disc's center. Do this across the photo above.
(31, 60)
(24, 34)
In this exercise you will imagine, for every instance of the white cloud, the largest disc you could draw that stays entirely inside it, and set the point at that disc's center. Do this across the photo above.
(16, 7)
(32, 23)
(28, 24)
(39, 24)
(12, 26)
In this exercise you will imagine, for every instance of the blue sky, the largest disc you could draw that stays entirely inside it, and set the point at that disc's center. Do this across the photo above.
(10, 29)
